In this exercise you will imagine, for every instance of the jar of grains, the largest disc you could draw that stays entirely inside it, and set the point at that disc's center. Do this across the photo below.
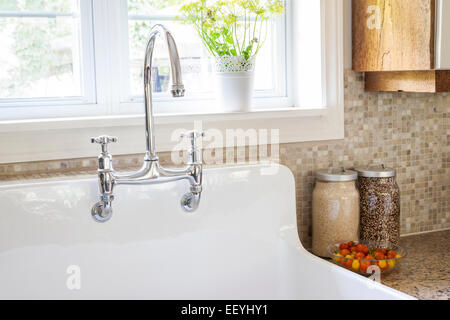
(380, 205)
(335, 206)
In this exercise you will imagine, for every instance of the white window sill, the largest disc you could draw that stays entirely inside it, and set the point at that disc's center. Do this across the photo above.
(64, 138)
(160, 119)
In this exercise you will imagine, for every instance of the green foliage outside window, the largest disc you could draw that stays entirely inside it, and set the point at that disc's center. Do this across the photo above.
(33, 44)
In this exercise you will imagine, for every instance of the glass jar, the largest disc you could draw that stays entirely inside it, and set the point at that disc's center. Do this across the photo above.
(379, 205)
(335, 209)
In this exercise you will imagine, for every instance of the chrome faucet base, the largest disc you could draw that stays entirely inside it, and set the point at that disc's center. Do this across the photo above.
(190, 201)
(102, 211)
(151, 172)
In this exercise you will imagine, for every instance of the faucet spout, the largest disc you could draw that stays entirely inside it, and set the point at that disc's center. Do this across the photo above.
(151, 171)
(177, 84)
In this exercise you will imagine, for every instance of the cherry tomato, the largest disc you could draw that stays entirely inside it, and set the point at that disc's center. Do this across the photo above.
(350, 244)
(364, 265)
(337, 258)
(391, 263)
(369, 257)
(365, 249)
(349, 262)
(344, 252)
(382, 264)
(359, 247)
(379, 256)
(391, 254)
(383, 251)
(353, 248)
(359, 255)
(343, 246)
(355, 265)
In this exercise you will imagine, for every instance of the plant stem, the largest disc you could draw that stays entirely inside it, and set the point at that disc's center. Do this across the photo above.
(254, 31)
(235, 35)
(245, 29)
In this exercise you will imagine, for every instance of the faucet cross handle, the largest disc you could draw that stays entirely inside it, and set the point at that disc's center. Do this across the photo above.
(195, 154)
(104, 141)
(193, 136)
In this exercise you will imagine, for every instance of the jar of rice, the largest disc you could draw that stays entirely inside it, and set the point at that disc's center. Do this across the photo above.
(335, 209)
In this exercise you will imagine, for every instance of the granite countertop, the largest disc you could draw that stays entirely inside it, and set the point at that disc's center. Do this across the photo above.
(425, 272)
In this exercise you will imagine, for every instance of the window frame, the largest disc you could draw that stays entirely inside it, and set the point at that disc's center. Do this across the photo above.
(9, 106)
(22, 137)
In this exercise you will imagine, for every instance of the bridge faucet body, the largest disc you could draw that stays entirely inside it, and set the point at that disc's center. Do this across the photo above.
(151, 171)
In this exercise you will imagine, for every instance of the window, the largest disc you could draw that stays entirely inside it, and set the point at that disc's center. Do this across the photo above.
(74, 66)
(197, 66)
(52, 60)
(43, 56)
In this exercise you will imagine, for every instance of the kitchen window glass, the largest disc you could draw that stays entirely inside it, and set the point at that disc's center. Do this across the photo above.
(42, 55)
(197, 65)
(81, 58)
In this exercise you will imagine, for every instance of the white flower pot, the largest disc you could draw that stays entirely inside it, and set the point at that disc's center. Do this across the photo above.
(235, 90)
(234, 83)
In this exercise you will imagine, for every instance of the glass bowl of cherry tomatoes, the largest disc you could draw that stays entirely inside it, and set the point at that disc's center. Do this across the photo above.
(366, 257)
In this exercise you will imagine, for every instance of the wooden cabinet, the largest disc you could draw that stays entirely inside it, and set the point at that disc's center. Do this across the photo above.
(402, 45)
(409, 81)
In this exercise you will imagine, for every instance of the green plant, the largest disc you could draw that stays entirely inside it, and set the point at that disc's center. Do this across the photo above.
(232, 27)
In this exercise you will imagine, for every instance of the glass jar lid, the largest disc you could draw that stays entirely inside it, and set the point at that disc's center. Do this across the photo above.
(336, 175)
(376, 172)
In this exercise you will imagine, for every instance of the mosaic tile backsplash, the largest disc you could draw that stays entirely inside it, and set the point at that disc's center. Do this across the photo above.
(407, 131)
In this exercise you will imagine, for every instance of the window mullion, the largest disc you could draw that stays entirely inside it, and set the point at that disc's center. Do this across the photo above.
(105, 35)
(281, 62)
(101, 52)
(123, 53)
(87, 52)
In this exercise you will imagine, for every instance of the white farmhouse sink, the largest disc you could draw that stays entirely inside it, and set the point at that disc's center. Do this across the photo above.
(242, 243)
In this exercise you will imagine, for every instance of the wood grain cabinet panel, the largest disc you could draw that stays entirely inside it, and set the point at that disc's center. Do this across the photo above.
(393, 35)
(402, 45)
(430, 81)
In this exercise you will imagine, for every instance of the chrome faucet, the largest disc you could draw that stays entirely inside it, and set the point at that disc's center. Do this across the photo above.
(151, 172)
